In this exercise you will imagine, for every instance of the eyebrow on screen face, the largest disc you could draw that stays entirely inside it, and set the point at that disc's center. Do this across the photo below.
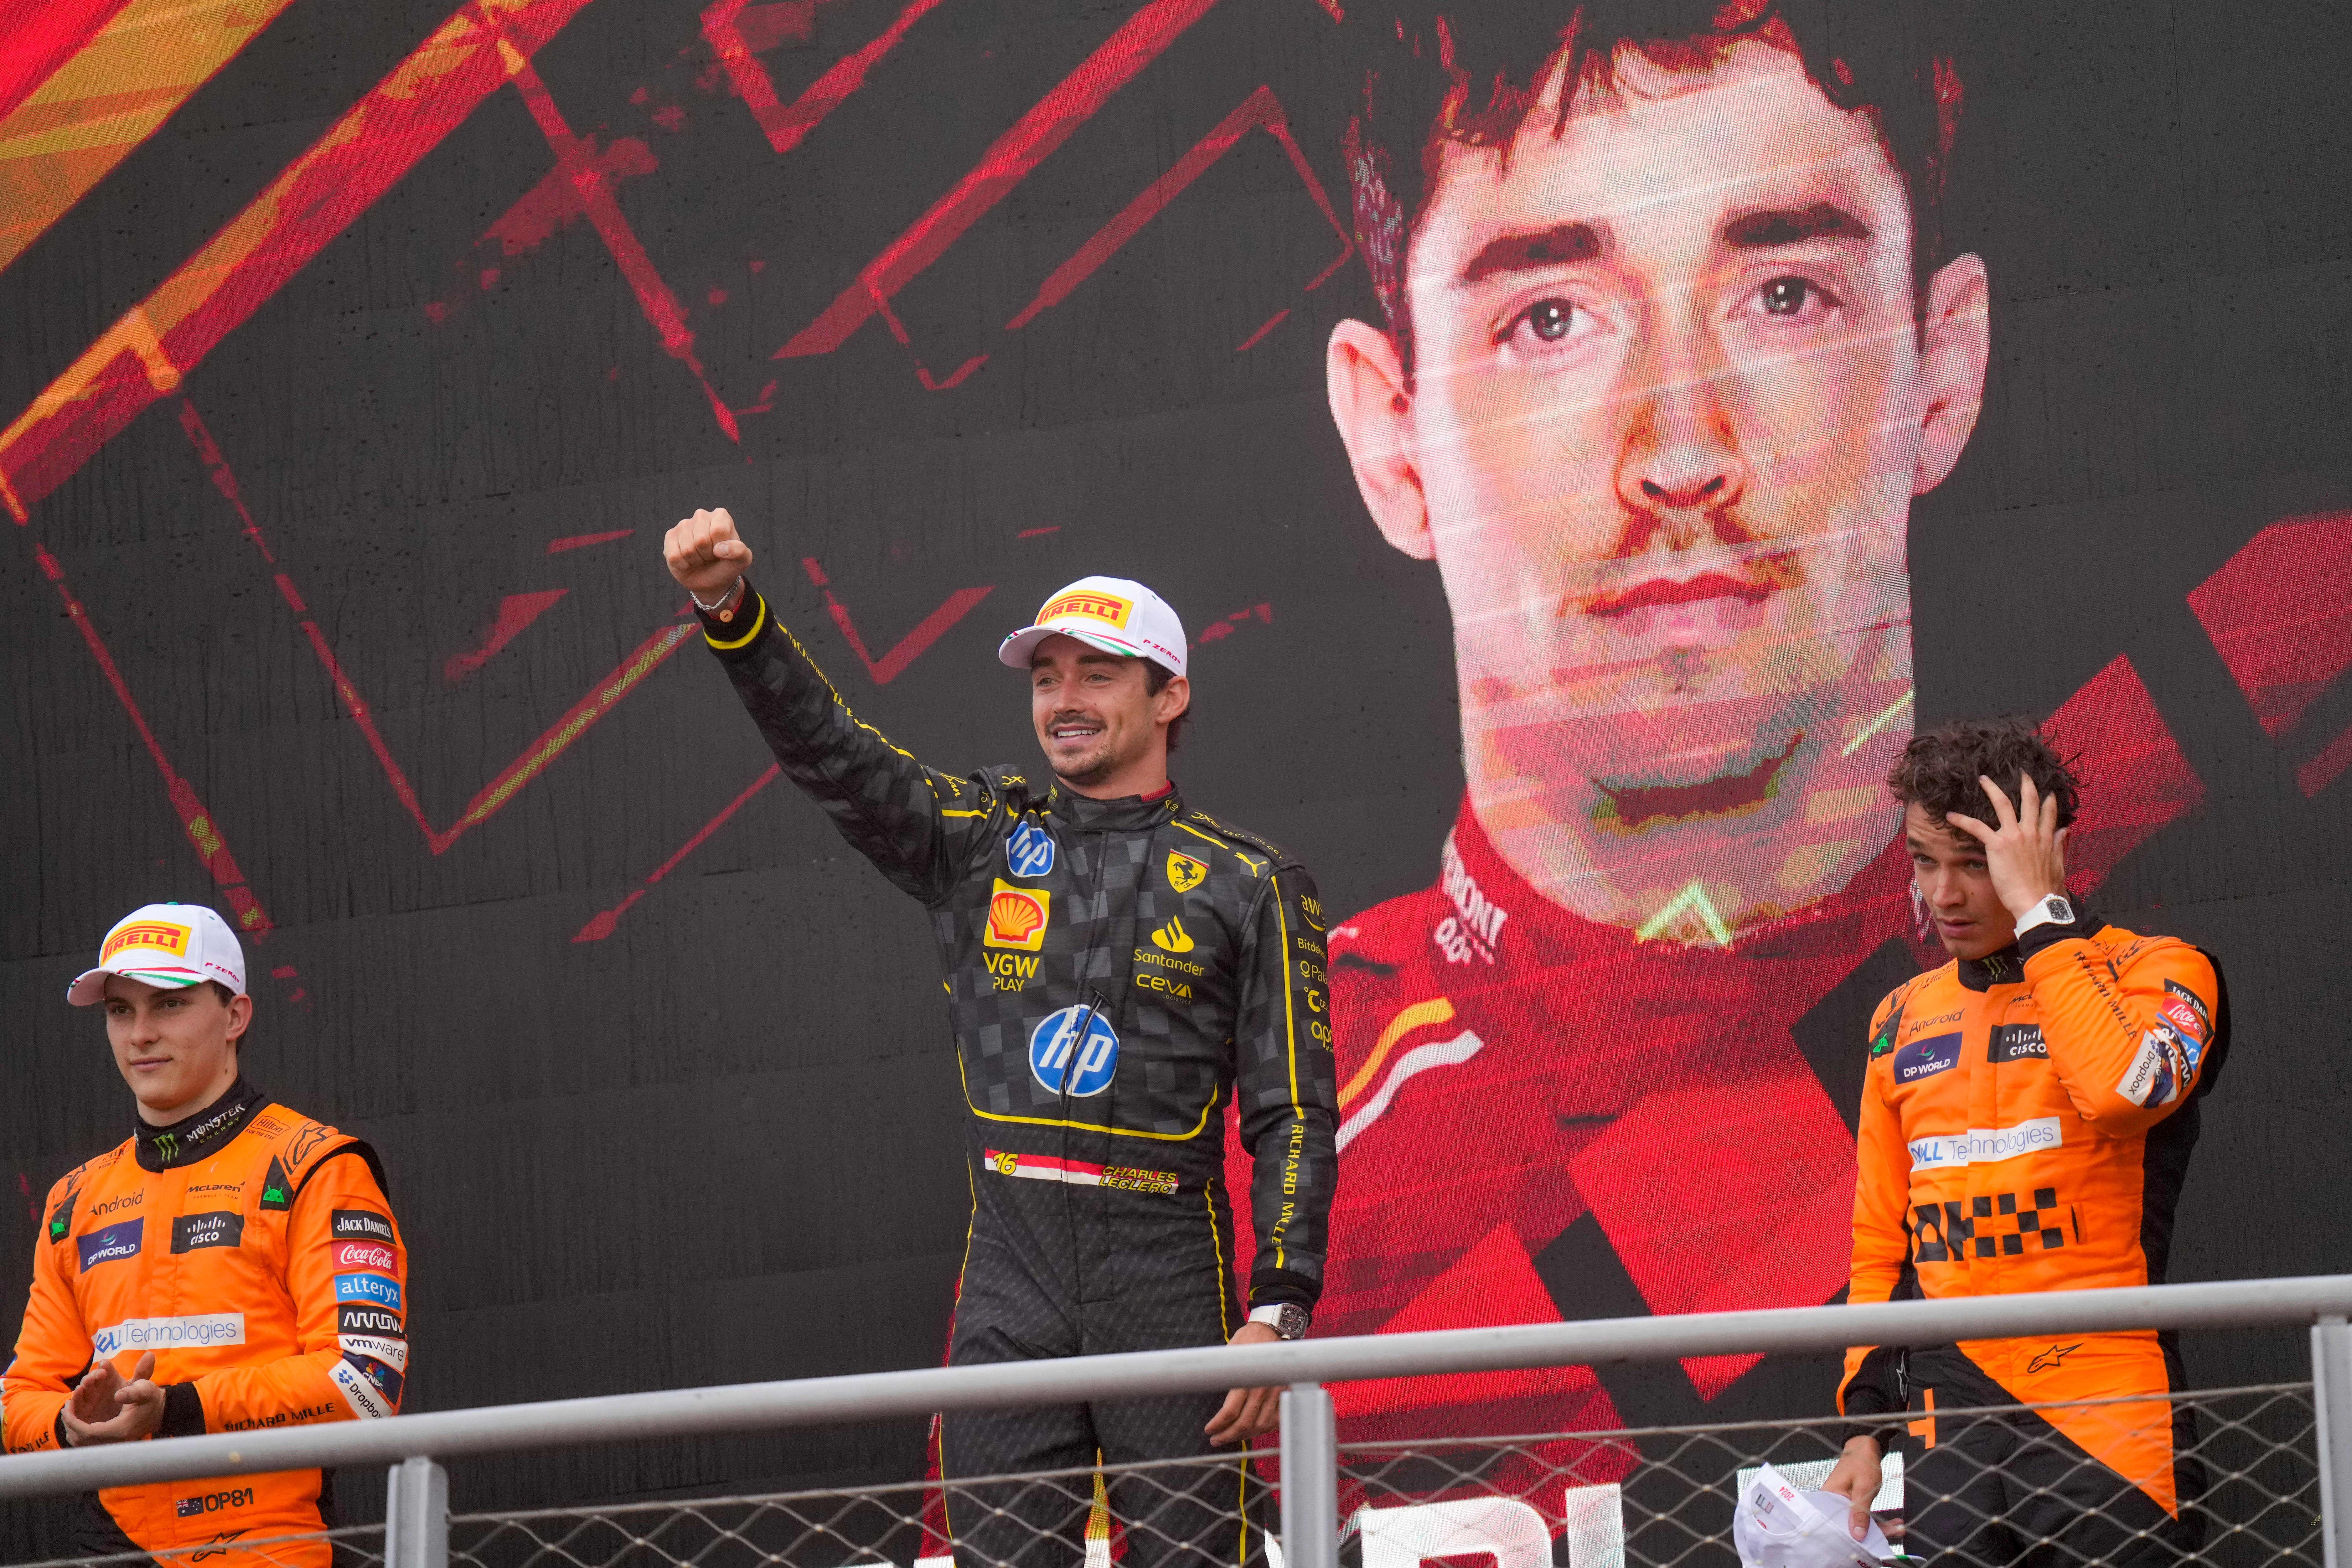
(1769, 228)
(1531, 250)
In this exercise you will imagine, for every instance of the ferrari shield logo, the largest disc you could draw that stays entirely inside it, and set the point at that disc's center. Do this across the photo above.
(1184, 873)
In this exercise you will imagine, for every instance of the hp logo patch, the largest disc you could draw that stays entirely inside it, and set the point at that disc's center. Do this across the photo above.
(1057, 1055)
(1029, 851)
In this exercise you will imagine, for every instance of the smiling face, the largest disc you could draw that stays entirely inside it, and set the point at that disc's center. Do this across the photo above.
(175, 1046)
(1103, 730)
(1949, 866)
(1669, 406)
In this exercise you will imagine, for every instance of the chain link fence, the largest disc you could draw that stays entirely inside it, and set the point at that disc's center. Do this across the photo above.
(2253, 1475)
(2013, 1487)
(2003, 1484)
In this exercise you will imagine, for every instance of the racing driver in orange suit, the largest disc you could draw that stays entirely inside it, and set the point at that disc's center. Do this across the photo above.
(2027, 1116)
(232, 1265)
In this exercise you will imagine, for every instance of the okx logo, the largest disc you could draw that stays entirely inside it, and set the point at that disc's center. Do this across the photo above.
(1066, 1061)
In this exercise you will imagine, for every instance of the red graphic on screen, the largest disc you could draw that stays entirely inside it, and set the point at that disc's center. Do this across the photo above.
(599, 700)
(928, 630)
(2280, 614)
(516, 612)
(603, 924)
(194, 820)
(740, 32)
(143, 356)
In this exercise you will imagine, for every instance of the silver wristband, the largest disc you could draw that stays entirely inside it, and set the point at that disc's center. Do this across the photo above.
(724, 608)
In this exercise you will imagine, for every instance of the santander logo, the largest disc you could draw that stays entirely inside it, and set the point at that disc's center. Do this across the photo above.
(364, 1254)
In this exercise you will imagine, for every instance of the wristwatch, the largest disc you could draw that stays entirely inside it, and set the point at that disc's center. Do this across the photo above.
(1289, 1320)
(2051, 911)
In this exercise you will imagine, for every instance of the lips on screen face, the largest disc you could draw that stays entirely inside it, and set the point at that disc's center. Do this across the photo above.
(1666, 414)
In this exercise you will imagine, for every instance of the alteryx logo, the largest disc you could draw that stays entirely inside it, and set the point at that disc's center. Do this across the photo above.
(116, 1241)
(1986, 1145)
(1029, 851)
(1064, 1062)
(138, 1335)
(372, 1288)
(1925, 1059)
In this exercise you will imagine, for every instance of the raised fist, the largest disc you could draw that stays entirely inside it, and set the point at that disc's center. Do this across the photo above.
(705, 555)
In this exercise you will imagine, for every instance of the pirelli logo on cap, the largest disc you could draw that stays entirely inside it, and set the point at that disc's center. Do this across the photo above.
(161, 935)
(1109, 608)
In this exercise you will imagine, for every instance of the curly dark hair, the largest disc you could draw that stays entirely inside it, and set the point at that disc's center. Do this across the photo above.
(1939, 770)
(1470, 71)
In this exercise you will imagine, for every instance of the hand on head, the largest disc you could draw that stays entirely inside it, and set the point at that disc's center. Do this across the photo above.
(2025, 850)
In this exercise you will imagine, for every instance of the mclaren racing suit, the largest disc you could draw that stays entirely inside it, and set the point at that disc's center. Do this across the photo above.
(251, 1250)
(2026, 1124)
(1118, 973)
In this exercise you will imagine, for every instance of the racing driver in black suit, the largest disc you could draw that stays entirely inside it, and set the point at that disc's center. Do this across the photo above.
(1119, 968)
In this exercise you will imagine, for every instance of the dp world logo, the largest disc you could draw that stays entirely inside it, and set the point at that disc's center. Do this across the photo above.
(1029, 851)
(1060, 1058)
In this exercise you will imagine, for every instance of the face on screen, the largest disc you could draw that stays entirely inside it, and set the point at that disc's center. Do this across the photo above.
(1667, 410)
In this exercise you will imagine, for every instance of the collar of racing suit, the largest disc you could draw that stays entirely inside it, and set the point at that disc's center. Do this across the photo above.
(198, 1135)
(2007, 967)
(1505, 920)
(1127, 813)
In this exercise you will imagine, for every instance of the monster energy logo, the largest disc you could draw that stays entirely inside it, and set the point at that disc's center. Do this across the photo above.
(167, 1144)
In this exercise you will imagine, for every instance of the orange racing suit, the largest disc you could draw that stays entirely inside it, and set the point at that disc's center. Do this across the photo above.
(2026, 1124)
(251, 1250)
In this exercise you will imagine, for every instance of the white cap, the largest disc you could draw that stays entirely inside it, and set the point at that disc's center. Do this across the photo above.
(165, 944)
(1109, 612)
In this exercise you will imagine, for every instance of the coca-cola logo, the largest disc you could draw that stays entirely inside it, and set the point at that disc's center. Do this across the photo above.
(362, 1255)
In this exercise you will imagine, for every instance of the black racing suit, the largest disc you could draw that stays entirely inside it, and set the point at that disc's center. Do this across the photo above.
(1118, 973)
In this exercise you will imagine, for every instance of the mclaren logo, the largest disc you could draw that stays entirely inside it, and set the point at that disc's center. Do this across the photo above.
(1171, 938)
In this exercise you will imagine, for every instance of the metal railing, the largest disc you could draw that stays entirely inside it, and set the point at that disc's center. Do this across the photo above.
(1312, 1464)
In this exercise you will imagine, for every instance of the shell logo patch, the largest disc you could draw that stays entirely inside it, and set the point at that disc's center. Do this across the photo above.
(1017, 916)
(161, 935)
(1184, 873)
(1109, 608)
